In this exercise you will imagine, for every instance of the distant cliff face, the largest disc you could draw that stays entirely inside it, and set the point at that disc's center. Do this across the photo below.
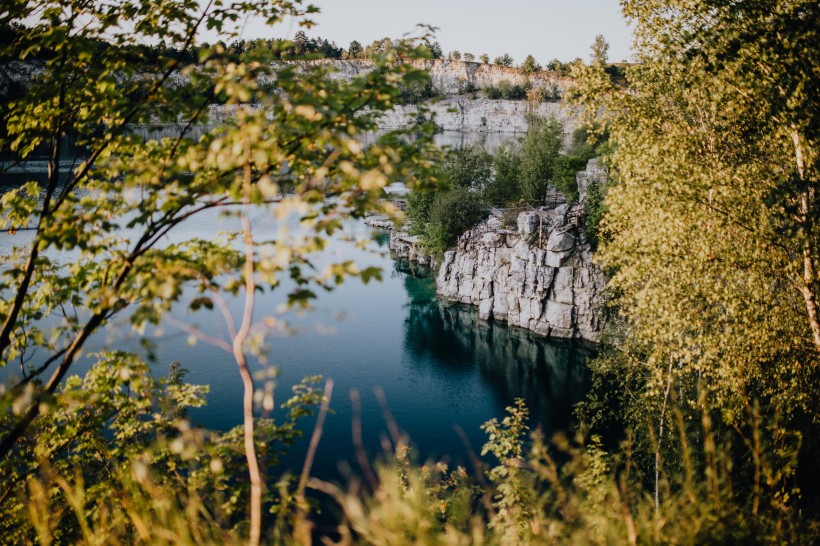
(461, 111)
(482, 115)
(452, 77)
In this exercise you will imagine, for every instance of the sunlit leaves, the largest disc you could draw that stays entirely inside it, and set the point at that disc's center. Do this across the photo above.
(708, 249)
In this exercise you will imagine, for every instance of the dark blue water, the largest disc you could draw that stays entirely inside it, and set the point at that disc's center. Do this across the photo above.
(440, 368)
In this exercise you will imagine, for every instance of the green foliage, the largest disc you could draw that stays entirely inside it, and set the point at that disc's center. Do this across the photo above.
(449, 215)
(514, 495)
(116, 207)
(556, 65)
(595, 210)
(530, 65)
(440, 218)
(504, 60)
(117, 432)
(505, 186)
(485, 58)
(540, 158)
(468, 167)
(419, 91)
(586, 144)
(507, 90)
(714, 239)
(355, 50)
(590, 497)
(599, 51)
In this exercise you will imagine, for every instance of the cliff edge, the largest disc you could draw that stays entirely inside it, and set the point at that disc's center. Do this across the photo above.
(539, 276)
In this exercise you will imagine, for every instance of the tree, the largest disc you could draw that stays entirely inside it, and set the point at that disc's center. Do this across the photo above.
(556, 65)
(435, 50)
(469, 57)
(115, 205)
(354, 50)
(540, 158)
(455, 55)
(600, 47)
(485, 58)
(301, 43)
(468, 167)
(530, 65)
(504, 60)
(441, 218)
(714, 243)
(378, 47)
(505, 185)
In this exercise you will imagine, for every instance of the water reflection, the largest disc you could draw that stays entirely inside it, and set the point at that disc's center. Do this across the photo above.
(551, 376)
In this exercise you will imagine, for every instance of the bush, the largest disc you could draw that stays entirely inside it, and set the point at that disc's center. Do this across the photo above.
(468, 167)
(440, 218)
(530, 65)
(452, 214)
(505, 186)
(417, 92)
(507, 90)
(492, 93)
(541, 157)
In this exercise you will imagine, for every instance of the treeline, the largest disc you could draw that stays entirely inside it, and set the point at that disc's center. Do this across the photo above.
(519, 173)
(303, 46)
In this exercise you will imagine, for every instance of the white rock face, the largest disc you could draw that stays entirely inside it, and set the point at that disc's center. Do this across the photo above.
(481, 115)
(458, 111)
(453, 77)
(593, 173)
(554, 290)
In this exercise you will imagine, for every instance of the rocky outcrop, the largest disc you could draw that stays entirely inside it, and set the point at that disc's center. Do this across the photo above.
(594, 173)
(539, 276)
(481, 115)
(452, 77)
(404, 245)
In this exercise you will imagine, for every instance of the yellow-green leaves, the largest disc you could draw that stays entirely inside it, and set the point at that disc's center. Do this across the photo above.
(712, 221)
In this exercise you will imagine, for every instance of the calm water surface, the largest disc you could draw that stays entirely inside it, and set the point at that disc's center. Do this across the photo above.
(441, 368)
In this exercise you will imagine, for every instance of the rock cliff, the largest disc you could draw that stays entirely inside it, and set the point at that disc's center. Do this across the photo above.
(540, 276)
(452, 77)
(482, 115)
(457, 109)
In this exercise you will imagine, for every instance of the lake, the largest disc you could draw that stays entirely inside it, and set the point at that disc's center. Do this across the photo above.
(441, 369)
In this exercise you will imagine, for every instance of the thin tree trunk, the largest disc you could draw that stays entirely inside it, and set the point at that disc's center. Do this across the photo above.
(660, 437)
(239, 355)
(809, 288)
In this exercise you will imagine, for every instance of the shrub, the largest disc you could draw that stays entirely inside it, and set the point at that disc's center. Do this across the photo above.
(530, 65)
(451, 214)
(504, 60)
(468, 167)
(440, 218)
(505, 186)
(540, 157)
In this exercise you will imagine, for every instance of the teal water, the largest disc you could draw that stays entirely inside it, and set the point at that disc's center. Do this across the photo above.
(441, 369)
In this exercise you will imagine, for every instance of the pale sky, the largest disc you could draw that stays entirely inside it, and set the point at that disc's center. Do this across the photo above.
(546, 29)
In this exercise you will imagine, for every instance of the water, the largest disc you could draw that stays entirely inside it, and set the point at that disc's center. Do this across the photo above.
(441, 369)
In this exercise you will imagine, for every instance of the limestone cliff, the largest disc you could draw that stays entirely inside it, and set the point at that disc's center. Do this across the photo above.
(539, 276)
(482, 115)
(456, 109)
(453, 77)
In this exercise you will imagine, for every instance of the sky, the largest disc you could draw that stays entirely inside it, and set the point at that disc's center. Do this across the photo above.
(547, 29)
